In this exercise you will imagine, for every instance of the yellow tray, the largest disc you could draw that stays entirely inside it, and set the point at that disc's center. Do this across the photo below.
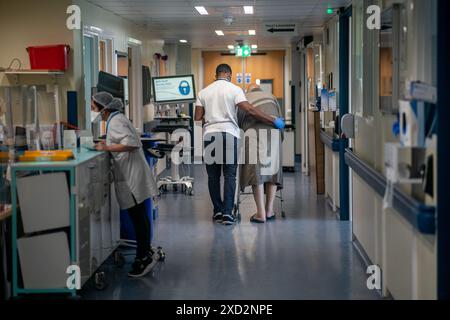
(57, 155)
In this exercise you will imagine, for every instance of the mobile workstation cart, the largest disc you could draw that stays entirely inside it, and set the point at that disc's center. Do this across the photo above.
(68, 216)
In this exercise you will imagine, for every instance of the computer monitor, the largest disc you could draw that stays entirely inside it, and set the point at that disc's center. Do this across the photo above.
(173, 89)
(111, 84)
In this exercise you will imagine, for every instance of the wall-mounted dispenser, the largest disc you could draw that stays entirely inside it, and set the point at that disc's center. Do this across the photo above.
(404, 164)
(409, 123)
(348, 125)
(417, 114)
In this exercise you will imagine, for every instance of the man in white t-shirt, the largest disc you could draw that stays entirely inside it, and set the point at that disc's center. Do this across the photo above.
(217, 106)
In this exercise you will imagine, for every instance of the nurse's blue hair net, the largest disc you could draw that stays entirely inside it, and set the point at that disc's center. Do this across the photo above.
(115, 105)
(102, 98)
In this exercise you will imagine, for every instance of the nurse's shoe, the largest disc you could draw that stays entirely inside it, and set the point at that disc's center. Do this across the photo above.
(141, 267)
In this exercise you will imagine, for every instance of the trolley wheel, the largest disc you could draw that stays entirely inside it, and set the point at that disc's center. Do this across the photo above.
(283, 214)
(119, 259)
(100, 281)
(237, 213)
(161, 254)
(190, 191)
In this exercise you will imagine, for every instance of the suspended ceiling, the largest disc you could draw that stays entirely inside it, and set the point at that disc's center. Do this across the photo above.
(172, 20)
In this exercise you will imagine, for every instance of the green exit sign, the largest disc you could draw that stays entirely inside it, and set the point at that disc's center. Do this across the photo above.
(243, 51)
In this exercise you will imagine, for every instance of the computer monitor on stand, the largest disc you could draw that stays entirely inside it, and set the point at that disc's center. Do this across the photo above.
(111, 84)
(174, 90)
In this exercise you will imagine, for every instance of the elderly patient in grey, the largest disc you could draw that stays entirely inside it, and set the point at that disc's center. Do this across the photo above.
(261, 154)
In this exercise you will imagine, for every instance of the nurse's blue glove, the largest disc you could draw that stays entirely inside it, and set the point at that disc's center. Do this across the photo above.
(278, 123)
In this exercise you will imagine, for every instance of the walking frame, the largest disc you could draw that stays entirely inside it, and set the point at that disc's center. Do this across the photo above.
(242, 196)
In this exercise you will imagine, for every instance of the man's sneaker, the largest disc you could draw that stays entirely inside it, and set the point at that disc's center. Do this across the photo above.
(217, 217)
(141, 267)
(228, 219)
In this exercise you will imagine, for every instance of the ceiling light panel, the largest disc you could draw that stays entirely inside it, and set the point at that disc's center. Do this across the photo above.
(202, 10)
(248, 9)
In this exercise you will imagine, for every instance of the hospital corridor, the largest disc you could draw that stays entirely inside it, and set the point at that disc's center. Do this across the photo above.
(206, 261)
(223, 158)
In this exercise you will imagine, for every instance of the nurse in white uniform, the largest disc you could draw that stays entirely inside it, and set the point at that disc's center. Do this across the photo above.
(134, 182)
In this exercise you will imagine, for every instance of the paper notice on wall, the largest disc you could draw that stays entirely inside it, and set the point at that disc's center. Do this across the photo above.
(239, 78)
(332, 102)
(248, 78)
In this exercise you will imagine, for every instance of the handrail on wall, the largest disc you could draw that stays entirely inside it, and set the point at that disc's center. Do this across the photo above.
(421, 216)
(330, 142)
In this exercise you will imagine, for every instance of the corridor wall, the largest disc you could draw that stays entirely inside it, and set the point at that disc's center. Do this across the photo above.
(406, 256)
(268, 66)
(43, 23)
(331, 71)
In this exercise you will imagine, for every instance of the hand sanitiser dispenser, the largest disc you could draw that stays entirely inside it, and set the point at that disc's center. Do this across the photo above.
(414, 112)
(409, 126)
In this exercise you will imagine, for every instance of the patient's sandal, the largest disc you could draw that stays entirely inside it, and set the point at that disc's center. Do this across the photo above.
(253, 219)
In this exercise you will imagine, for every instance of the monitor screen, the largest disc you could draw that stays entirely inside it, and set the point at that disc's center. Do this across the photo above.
(174, 89)
(112, 84)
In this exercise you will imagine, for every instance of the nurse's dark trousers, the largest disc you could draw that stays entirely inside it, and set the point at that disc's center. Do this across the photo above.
(141, 223)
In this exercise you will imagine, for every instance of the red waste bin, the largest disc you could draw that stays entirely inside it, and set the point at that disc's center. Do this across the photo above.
(54, 57)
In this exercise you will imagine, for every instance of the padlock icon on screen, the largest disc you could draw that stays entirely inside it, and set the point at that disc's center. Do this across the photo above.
(184, 88)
